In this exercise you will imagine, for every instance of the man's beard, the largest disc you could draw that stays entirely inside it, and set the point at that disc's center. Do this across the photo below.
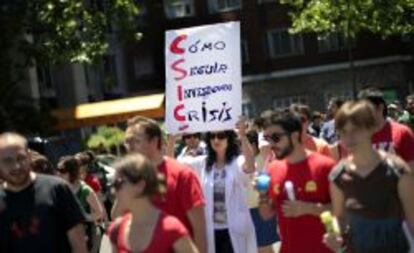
(283, 153)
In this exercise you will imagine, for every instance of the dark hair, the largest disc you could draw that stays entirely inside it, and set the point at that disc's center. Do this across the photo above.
(301, 110)
(40, 164)
(137, 167)
(316, 115)
(288, 121)
(253, 138)
(151, 127)
(375, 96)
(410, 97)
(338, 102)
(70, 165)
(232, 150)
(197, 135)
(360, 114)
(83, 159)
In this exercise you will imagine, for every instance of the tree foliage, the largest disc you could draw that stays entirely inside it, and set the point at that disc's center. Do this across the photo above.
(64, 30)
(106, 137)
(351, 17)
(53, 31)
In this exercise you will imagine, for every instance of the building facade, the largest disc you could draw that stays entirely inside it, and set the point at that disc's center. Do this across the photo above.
(278, 68)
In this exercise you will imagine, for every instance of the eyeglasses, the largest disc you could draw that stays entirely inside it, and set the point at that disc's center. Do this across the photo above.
(220, 136)
(117, 184)
(274, 137)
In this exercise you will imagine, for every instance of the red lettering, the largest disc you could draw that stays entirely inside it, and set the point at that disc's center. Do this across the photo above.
(174, 47)
(177, 114)
(184, 127)
(180, 92)
(176, 68)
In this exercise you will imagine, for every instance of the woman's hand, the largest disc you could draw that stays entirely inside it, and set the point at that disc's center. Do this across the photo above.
(241, 127)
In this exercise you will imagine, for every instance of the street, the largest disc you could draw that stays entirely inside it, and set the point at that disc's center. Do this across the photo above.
(106, 246)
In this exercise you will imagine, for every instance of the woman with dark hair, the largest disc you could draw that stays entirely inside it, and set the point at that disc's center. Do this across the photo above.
(145, 228)
(40, 164)
(224, 175)
(69, 169)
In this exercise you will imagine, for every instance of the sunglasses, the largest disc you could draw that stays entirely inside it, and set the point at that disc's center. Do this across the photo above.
(274, 137)
(220, 136)
(117, 184)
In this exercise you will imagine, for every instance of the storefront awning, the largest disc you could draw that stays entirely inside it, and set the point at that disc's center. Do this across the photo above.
(109, 112)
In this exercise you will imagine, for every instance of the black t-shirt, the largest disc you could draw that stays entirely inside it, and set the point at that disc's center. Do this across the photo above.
(37, 218)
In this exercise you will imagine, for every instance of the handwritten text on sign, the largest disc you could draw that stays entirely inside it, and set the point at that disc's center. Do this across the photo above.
(203, 78)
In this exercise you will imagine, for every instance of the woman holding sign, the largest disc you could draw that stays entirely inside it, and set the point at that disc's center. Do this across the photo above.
(224, 174)
(372, 191)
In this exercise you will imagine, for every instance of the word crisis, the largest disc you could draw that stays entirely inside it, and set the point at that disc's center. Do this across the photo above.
(203, 114)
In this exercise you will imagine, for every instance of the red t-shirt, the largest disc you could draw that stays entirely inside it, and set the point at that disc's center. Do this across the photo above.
(311, 184)
(93, 182)
(395, 138)
(183, 191)
(167, 231)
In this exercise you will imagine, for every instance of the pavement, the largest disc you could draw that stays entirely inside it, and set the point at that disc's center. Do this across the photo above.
(106, 246)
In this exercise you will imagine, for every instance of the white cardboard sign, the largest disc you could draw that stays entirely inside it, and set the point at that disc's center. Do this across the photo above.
(203, 78)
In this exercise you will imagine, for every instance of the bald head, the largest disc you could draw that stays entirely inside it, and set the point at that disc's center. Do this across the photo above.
(12, 139)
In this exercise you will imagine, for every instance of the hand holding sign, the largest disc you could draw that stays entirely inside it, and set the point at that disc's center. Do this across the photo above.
(241, 127)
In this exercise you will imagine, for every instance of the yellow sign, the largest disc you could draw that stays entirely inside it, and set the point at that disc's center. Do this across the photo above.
(311, 186)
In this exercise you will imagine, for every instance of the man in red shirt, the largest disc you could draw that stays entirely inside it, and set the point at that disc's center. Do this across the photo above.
(184, 197)
(307, 172)
(390, 136)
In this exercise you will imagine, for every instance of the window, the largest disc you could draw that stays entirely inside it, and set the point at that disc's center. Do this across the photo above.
(285, 102)
(332, 42)
(178, 8)
(110, 73)
(247, 109)
(282, 43)
(143, 66)
(224, 5)
(45, 80)
(245, 52)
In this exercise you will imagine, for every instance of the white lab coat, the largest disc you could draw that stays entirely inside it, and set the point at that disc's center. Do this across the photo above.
(240, 224)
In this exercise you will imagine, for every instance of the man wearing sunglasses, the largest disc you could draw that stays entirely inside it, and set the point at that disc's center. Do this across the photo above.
(194, 146)
(184, 197)
(297, 207)
(38, 213)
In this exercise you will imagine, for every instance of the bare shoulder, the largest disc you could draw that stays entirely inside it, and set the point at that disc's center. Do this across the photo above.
(398, 162)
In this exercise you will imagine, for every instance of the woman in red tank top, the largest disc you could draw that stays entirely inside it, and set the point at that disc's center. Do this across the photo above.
(145, 229)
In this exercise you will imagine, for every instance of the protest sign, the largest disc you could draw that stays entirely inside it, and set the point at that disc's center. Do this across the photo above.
(203, 78)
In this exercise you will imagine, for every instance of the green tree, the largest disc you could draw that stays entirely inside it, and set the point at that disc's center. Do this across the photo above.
(106, 137)
(351, 17)
(54, 31)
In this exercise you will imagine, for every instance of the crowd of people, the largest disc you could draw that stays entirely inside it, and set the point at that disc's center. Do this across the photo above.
(200, 192)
